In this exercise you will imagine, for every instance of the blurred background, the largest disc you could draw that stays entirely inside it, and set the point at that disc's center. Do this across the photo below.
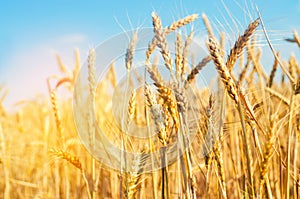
(33, 32)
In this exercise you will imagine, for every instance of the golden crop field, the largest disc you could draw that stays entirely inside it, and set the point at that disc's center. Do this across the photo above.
(237, 138)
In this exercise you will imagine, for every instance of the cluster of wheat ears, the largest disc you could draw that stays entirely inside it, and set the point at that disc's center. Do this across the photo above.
(246, 132)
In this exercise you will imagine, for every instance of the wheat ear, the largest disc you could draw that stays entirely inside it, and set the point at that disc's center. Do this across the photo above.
(196, 70)
(240, 44)
(185, 53)
(130, 51)
(157, 114)
(132, 105)
(181, 22)
(272, 74)
(160, 37)
(266, 159)
(134, 178)
(90, 118)
(74, 160)
(208, 26)
(223, 71)
(295, 39)
(178, 55)
(292, 67)
(53, 96)
(169, 29)
(155, 75)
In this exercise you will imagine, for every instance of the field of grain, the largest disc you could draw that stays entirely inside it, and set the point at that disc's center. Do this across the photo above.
(236, 139)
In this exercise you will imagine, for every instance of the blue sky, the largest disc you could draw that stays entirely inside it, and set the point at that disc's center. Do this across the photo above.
(33, 31)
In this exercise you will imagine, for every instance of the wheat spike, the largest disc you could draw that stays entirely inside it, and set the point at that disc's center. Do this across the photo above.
(185, 53)
(130, 51)
(209, 132)
(295, 39)
(57, 117)
(169, 103)
(132, 105)
(208, 26)
(231, 88)
(197, 69)
(266, 159)
(67, 156)
(240, 44)
(91, 68)
(181, 99)
(293, 66)
(272, 74)
(160, 37)
(181, 22)
(219, 159)
(134, 178)
(155, 75)
(168, 30)
(157, 114)
(178, 57)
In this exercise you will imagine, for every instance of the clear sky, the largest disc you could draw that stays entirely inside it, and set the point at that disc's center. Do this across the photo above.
(32, 31)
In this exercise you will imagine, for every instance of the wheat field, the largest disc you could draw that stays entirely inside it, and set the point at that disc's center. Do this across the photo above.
(239, 139)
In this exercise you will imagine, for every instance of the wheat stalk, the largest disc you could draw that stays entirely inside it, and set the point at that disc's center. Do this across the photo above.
(285, 71)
